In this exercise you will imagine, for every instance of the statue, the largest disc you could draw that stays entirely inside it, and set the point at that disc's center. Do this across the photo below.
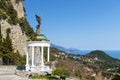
(39, 35)
(38, 19)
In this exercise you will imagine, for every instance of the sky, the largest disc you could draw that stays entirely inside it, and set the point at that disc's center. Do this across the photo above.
(81, 24)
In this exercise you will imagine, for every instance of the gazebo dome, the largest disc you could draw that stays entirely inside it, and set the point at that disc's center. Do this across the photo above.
(41, 37)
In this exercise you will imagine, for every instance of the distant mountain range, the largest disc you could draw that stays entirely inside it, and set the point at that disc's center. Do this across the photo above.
(69, 50)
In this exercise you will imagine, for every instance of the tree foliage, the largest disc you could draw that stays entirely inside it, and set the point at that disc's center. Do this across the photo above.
(0, 43)
(25, 26)
(0, 35)
(2, 15)
(7, 53)
(8, 11)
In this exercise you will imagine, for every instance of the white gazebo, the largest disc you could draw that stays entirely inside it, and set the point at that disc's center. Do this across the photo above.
(32, 66)
(37, 46)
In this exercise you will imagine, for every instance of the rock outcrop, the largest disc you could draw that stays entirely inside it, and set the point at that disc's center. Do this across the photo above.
(17, 36)
(18, 7)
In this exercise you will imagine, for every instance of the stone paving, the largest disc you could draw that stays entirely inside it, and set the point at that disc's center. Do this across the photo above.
(12, 77)
(8, 73)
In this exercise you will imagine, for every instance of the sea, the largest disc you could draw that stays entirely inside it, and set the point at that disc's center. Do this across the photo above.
(112, 53)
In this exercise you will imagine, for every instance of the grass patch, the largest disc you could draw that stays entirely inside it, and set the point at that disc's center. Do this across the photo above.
(44, 77)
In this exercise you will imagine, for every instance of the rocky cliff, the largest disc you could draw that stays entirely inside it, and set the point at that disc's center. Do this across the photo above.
(17, 35)
(18, 6)
(18, 38)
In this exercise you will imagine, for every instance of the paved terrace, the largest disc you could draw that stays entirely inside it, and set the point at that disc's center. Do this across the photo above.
(8, 73)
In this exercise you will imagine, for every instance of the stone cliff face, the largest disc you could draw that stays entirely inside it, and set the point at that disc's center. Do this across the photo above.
(17, 36)
(18, 7)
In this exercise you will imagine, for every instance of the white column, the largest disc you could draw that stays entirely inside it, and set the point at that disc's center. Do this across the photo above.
(42, 56)
(48, 55)
(27, 59)
(33, 56)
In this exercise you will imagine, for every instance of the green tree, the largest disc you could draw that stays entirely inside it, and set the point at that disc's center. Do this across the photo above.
(12, 13)
(1, 43)
(0, 35)
(8, 51)
(19, 59)
(8, 41)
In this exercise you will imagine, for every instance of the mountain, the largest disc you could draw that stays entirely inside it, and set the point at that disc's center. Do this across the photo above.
(69, 50)
(104, 57)
(100, 55)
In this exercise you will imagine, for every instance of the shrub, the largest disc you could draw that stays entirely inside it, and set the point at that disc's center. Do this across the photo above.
(12, 13)
(2, 15)
(78, 74)
(116, 77)
(25, 27)
(92, 78)
(36, 76)
(61, 72)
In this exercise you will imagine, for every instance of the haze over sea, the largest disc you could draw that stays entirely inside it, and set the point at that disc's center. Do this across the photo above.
(112, 53)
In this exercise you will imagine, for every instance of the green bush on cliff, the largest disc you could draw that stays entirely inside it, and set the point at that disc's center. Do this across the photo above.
(8, 10)
(2, 15)
(26, 28)
(0, 42)
(12, 13)
(0, 36)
